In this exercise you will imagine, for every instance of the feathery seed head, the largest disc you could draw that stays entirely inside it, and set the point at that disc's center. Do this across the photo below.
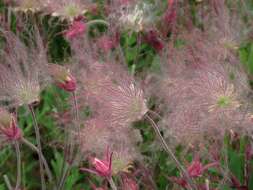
(137, 16)
(23, 72)
(67, 9)
(217, 90)
(126, 103)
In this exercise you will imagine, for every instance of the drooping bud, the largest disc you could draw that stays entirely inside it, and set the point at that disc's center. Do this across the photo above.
(62, 77)
(103, 167)
(8, 126)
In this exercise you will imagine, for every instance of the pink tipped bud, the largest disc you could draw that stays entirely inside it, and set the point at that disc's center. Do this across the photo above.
(103, 167)
(8, 126)
(62, 77)
(76, 29)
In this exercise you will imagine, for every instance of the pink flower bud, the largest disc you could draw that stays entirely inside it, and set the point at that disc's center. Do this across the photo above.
(8, 126)
(62, 77)
(76, 29)
(69, 84)
(103, 167)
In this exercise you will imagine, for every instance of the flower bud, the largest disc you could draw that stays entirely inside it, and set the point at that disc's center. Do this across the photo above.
(62, 77)
(103, 167)
(8, 126)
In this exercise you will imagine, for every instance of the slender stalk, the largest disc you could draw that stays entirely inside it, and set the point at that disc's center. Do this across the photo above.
(112, 184)
(170, 153)
(37, 133)
(7, 182)
(34, 148)
(68, 166)
(18, 154)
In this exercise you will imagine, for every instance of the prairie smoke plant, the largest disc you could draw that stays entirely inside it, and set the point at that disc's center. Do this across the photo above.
(218, 92)
(22, 71)
(23, 77)
(10, 132)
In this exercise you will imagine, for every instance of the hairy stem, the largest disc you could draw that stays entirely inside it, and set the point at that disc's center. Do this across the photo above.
(7, 182)
(37, 133)
(170, 153)
(34, 148)
(112, 184)
(18, 154)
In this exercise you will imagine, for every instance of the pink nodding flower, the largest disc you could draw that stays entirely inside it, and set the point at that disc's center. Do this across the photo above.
(62, 77)
(76, 29)
(195, 169)
(8, 126)
(69, 84)
(103, 167)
